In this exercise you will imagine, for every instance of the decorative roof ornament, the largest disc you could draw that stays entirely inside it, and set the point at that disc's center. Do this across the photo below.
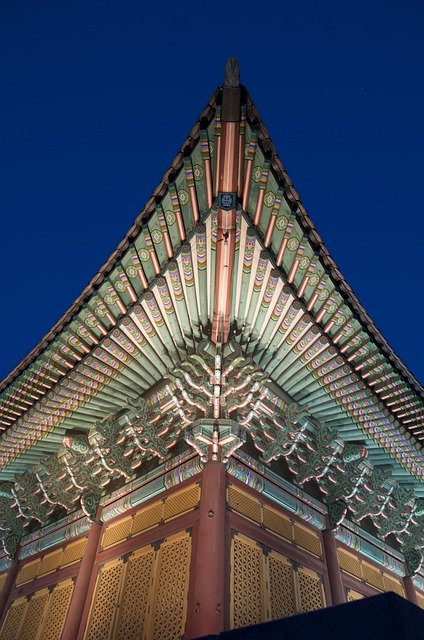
(232, 73)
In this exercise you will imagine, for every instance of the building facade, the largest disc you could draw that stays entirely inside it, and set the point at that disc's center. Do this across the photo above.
(215, 434)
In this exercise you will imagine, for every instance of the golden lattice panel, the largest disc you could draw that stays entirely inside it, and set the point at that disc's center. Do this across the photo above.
(50, 562)
(353, 595)
(278, 523)
(105, 602)
(393, 584)
(170, 595)
(247, 582)
(57, 608)
(13, 620)
(73, 552)
(28, 572)
(135, 598)
(181, 502)
(311, 592)
(281, 587)
(420, 599)
(372, 576)
(244, 504)
(307, 539)
(116, 532)
(350, 563)
(147, 518)
(34, 615)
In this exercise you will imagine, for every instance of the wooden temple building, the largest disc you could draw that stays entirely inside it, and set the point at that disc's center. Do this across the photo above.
(215, 434)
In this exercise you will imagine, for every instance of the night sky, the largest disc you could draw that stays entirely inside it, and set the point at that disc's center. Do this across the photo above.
(97, 98)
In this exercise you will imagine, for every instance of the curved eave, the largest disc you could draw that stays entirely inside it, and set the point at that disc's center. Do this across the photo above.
(315, 239)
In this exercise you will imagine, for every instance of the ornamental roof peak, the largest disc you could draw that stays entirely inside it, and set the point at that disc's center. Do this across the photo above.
(232, 73)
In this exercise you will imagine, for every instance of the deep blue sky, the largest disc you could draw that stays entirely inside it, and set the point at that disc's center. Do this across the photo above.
(98, 96)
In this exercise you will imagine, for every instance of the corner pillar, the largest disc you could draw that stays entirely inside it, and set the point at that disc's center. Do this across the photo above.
(206, 608)
(79, 595)
(337, 590)
(411, 594)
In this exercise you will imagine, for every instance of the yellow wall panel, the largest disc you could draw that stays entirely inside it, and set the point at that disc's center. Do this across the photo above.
(247, 601)
(170, 593)
(34, 615)
(310, 589)
(282, 601)
(28, 572)
(278, 523)
(14, 619)
(56, 611)
(244, 504)
(105, 601)
(3, 577)
(73, 552)
(265, 585)
(307, 539)
(181, 502)
(135, 598)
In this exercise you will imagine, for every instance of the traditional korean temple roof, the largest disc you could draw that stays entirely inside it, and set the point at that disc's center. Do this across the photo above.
(221, 314)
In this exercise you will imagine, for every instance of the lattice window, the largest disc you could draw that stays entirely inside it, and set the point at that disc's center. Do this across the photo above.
(34, 615)
(244, 504)
(147, 518)
(307, 539)
(135, 597)
(28, 572)
(74, 552)
(50, 562)
(105, 602)
(353, 595)
(247, 582)
(310, 589)
(170, 596)
(277, 523)
(181, 502)
(13, 620)
(349, 563)
(372, 576)
(393, 584)
(57, 608)
(116, 532)
(281, 587)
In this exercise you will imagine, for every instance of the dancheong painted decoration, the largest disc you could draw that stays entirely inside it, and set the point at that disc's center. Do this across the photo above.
(215, 434)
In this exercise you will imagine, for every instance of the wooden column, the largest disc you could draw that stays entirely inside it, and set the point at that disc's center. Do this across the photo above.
(337, 590)
(206, 613)
(79, 595)
(7, 588)
(410, 592)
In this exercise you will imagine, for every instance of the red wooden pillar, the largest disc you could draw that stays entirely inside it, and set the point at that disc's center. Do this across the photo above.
(410, 592)
(79, 595)
(7, 588)
(206, 608)
(338, 595)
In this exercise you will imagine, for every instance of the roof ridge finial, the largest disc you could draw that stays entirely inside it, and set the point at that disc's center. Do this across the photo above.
(232, 73)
